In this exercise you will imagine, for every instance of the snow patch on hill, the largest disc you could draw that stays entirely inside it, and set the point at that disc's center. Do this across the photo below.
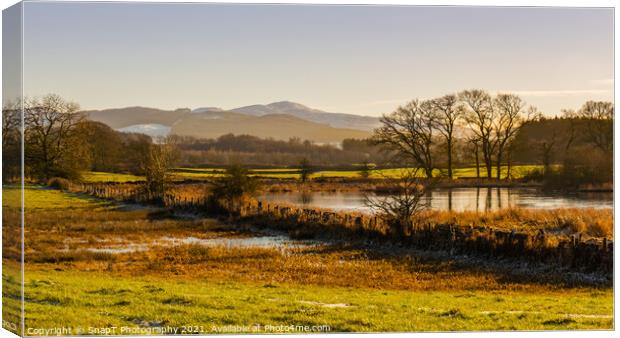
(154, 130)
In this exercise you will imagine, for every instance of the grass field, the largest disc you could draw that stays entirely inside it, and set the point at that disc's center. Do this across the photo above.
(283, 173)
(39, 197)
(96, 300)
(73, 280)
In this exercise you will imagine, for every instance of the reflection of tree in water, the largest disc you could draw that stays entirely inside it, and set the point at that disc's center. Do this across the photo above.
(429, 198)
(509, 198)
(499, 198)
(306, 197)
(488, 205)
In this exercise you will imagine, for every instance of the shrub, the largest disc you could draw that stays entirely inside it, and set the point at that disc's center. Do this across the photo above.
(232, 188)
(59, 183)
(534, 175)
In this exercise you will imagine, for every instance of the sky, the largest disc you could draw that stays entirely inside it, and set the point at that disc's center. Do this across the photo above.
(363, 60)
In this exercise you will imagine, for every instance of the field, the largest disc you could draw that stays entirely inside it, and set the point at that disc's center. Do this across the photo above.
(283, 173)
(99, 265)
(94, 176)
(99, 302)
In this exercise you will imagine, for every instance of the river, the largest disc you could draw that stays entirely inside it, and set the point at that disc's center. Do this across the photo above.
(455, 199)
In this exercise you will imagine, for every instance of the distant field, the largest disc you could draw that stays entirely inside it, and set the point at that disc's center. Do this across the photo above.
(516, 172)
(288, 173)
(95, 176)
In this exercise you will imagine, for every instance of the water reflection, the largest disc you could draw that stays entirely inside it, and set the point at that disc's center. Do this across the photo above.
(457, 199)
(306, 197)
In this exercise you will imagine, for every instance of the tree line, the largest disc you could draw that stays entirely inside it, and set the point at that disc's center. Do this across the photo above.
(574, 149)
(59, 141)
(468, 128)
(416, 130)
(254, 151)
(490, 127)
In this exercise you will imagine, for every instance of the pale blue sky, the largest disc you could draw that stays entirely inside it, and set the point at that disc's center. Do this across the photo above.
(351, 59)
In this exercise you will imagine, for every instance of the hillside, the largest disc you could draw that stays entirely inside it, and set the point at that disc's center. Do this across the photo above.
(213, 122)
(131, 116)
(277, 126)
(336, 120)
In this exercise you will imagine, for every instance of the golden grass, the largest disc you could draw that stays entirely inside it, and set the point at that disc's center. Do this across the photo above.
(590, 222)
(61, 240)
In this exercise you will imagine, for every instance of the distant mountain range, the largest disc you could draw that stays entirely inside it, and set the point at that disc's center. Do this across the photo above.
(126, 117)
(279, 120)
(336, 120)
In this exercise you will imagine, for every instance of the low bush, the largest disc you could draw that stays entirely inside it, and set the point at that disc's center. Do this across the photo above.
(59, 183)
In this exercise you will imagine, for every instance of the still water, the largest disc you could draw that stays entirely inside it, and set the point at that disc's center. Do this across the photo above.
(456, 199)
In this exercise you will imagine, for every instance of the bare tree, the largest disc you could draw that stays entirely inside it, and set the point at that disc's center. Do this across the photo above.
(571, 135)
(475, 147)
(448, 113)
(509, 119)
(401, 209)
(480, 114)
(11, 119)
(51, 130)
(408, 132)
(546, 147)
(305, 170)
(156, 166)
(11, 140)
(599, 130)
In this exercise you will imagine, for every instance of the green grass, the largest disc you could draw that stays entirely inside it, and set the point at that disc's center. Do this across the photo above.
(88, 299)
(95, 176)
(289, 173)
(516, 172)
(11, 296)
(41, 198)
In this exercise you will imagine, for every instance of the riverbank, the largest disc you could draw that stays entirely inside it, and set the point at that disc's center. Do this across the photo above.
(379, 185)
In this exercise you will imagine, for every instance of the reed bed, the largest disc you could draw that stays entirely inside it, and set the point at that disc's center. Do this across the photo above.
(566, 221)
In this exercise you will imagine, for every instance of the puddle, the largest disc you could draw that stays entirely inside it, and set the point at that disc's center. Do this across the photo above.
(127, 248)
(271, 241)
(280, 242)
